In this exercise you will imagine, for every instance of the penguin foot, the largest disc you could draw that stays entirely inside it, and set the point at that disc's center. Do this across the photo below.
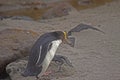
(47, 73)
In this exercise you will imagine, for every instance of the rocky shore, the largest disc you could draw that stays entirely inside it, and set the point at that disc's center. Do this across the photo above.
(95, 56)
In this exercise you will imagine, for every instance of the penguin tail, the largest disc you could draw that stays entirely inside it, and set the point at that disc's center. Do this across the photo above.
(33, 71)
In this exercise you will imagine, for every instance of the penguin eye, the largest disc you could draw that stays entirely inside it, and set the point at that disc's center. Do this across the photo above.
(49, 46)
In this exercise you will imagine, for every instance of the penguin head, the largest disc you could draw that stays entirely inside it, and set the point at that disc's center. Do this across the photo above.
(63, 36)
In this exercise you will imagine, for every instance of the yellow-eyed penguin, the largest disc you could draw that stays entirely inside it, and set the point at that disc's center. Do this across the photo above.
(43, 52)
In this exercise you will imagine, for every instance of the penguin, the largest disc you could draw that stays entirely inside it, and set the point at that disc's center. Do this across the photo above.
(43, 52)
(44, 49)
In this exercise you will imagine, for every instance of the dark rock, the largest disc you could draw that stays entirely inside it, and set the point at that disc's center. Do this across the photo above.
(4, 17)
(15, 70)
(14, 44)
(21, 18)
(16, 18)
(84, 2)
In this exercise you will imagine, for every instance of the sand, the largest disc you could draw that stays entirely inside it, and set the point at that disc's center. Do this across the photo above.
(96, 56)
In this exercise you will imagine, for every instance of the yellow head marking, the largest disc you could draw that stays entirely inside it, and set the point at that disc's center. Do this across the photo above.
(65, 34)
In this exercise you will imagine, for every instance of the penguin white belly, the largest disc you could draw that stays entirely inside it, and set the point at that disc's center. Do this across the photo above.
(49, 56)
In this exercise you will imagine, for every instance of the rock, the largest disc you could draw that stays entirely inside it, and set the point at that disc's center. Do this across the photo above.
(84, 2)
(16, 18)
(59, 10)
(14, 44)
(21, 18)
(15, 69)
(4, 17)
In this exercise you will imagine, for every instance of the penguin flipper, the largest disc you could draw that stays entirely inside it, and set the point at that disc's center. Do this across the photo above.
(81, 27)
(45, 49)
